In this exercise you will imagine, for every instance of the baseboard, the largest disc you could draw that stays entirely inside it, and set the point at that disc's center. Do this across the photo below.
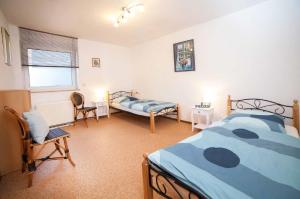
(171, 118)
(61, 125)
(72, 122)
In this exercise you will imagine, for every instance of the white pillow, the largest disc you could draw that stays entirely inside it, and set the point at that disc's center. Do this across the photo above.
(252, 112)
(39, 128)
(292, 131)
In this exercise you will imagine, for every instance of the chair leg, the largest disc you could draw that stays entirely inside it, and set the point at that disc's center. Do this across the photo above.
(85, 119)
(75, 117)
(23, 166)
(31, 166)
(95, 114)
(57, 147)
(30, 178)
(67, 152)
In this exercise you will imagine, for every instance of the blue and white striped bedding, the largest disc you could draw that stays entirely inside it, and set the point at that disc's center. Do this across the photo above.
(235, 161)
(147, 106)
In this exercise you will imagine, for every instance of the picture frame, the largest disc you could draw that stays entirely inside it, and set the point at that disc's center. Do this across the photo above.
(6, 46)
(96, 62)
(184, 56)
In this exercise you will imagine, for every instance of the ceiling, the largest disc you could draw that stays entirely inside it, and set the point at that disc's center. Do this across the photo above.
(92, 19)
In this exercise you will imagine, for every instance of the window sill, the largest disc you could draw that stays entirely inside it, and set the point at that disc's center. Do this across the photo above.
(53, 90)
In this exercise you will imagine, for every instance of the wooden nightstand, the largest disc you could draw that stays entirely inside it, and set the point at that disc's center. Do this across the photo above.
(102, 109)
(197, 112)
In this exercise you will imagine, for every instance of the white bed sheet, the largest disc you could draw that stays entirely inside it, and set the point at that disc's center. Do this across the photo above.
(123, 108)
(292, 131)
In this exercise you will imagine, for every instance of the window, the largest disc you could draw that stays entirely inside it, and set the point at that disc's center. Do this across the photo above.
(49, 76)
(50, 60)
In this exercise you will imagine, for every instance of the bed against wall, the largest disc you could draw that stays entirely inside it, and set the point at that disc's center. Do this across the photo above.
(256, 140)
(154, 108)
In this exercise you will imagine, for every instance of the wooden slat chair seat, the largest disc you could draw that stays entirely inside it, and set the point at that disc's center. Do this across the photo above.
(30, 161)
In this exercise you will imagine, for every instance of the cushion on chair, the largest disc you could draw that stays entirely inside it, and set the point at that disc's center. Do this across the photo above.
(39, 128)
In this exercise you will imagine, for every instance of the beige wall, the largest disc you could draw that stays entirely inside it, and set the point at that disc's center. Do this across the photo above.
(250, 53)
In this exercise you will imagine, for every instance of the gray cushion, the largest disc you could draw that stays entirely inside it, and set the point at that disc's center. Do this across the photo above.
(38, 126)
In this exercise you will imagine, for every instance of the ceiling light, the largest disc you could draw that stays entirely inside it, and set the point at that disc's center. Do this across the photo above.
(128, 11)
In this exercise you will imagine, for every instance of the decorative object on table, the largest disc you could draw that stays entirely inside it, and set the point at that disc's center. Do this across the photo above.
(100, 94)
(6, 46)
(96, 62)
(197, 113)
(184, 56)
(203, 105)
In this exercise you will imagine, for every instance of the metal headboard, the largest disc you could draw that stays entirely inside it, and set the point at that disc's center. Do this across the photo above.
(285, 111)
(262, 105)
(112, 96)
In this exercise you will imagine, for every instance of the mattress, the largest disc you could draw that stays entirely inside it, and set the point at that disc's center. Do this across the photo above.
(143, 107)
(123, 108)
(147, 106)
(292, 131)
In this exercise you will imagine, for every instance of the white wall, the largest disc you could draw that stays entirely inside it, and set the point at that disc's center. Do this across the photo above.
(115, 74)
(250, 53)
(116, 70)
(11, 77)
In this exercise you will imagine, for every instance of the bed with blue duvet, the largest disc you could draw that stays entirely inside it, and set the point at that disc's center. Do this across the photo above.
(124, 101)
(248, 155)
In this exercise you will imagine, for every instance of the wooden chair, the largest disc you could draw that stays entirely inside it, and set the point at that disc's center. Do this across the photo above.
(78, 104)
(30, 162)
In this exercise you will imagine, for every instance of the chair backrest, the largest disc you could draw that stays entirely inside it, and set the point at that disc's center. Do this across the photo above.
(77, 99)
(24, 127)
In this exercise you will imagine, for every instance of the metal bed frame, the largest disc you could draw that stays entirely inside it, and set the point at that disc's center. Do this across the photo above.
(166, 185)
(164, 112)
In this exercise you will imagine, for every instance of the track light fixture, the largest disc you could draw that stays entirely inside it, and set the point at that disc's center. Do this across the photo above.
(128, 11)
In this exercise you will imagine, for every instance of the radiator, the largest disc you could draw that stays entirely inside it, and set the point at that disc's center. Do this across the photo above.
(55, 113)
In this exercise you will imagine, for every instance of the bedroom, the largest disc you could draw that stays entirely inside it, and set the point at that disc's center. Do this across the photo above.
(242, 48)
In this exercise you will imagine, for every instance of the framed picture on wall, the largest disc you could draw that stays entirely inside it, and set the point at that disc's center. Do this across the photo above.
(6, 46)
(96, 62)
(184, 56)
